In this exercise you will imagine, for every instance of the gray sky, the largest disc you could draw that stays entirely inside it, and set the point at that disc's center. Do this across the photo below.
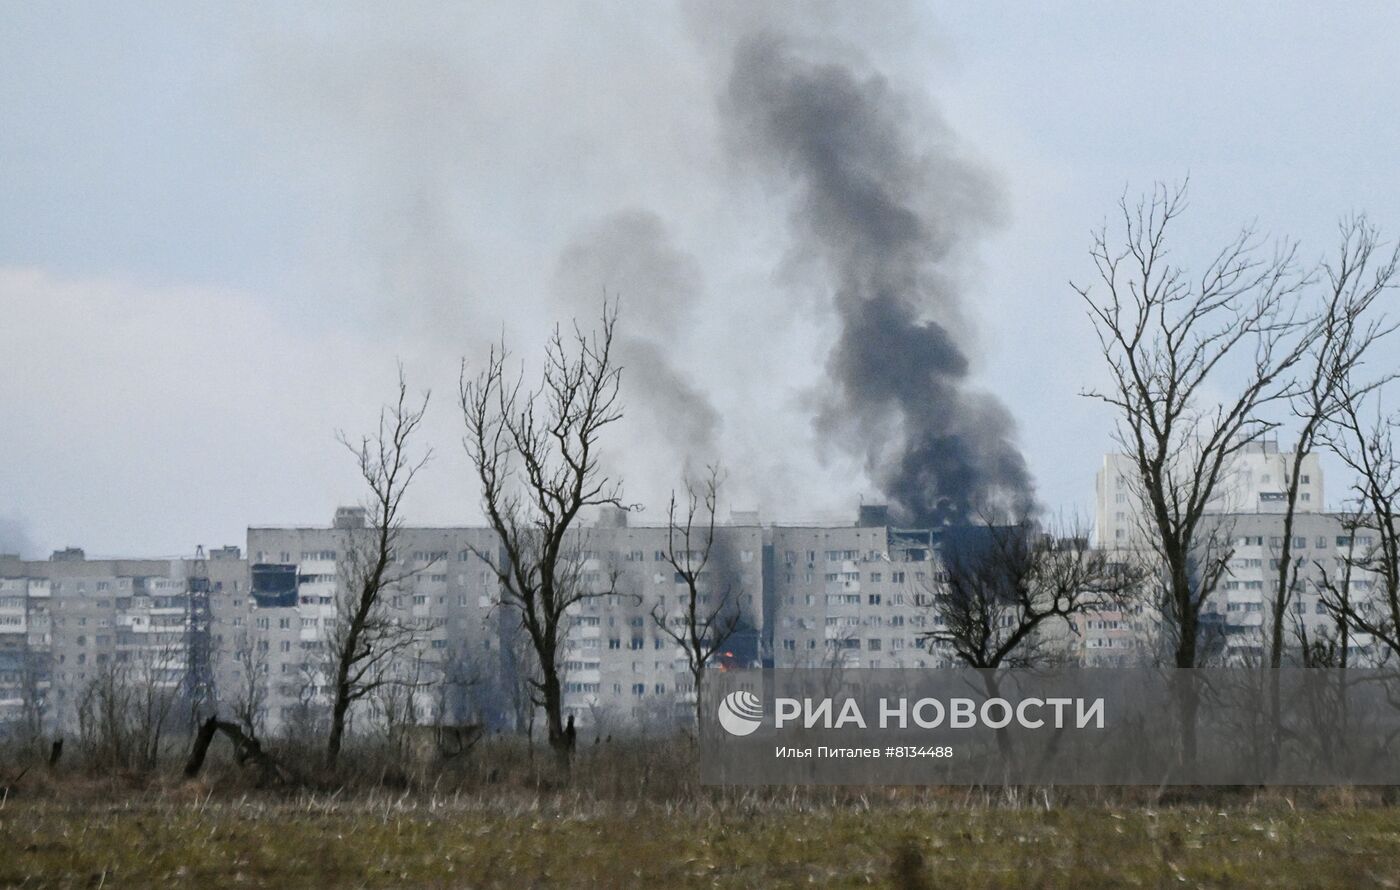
(220, 226)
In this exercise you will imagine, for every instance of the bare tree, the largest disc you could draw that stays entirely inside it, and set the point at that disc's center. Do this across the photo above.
(396, 701)
(1348, 327)
(838, 656)
(309, 714)
(103, 707)
(710, 608)
(457, 676)
(250, 692)
(1005, 585)
(1332, 583)
(536, 457)
(1364, 439)
(1192, 363)
(1345, 334)
(521, 681)
(159, 676)
(124, 709)
(368, 635)
(34, 682)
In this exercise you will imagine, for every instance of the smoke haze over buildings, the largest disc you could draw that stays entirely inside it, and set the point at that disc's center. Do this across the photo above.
(669, 427)
(14, 539)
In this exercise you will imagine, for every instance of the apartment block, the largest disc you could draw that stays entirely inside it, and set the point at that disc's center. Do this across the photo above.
(445, 594)
(1243, 525)
(248, 631)
(621, 667)
(69, 621)
(1256, 482)
(857, 597)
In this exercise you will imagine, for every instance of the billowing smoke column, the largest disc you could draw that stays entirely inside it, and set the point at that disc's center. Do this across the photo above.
(631, 256)
(885, 204)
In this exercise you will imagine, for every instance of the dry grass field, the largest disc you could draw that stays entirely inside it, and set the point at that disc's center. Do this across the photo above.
(562, 841)
(628, 819)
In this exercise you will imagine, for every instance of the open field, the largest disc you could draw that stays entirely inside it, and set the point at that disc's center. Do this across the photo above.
(190, 837)
(632, 815)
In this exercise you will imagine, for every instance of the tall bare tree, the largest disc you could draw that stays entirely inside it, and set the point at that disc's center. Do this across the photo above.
(1193, 362)
(1170, 342)
(536, 455)
(367, 634)
(710, 608)
(1364, 438)
(458, 675)
(1348, 327)
(125, 709)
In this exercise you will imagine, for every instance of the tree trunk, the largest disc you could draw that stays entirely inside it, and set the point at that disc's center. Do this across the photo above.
(337, 733)
(699, 703)
(1004, 747)
(342, 699)
(1186, 656)
(247, 747)
(554, 715)
(200, 749)
(1187, 704)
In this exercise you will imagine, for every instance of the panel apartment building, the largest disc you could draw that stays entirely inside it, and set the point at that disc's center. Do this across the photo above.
(255, 630)
(447, 598)
(1245, 518)
(834, 597)
(248, 628)
(68, 621)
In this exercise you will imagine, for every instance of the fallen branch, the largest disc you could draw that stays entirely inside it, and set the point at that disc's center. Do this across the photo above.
(9, 786)
(246, 748)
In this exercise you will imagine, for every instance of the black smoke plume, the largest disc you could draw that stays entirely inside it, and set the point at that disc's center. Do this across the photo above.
(886, 204)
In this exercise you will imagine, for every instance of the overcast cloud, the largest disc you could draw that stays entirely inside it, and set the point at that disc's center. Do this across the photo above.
(220, 227)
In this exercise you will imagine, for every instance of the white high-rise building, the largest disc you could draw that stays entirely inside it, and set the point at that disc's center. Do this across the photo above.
(1243, 524)
(1256, 482)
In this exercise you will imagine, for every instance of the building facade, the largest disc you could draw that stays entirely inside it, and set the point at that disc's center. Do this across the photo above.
(1243, 525)
(69, 625)
(249, 631)
(1255, 483)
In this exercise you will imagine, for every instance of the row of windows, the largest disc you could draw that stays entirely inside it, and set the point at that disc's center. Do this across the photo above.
(285, 556)
(854, 577)
(685, 557)
(1300, 542)
(872, 644)
(638, 689)
(791, 557)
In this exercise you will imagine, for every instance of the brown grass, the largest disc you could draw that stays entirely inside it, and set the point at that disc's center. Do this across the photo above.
(631, 815)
